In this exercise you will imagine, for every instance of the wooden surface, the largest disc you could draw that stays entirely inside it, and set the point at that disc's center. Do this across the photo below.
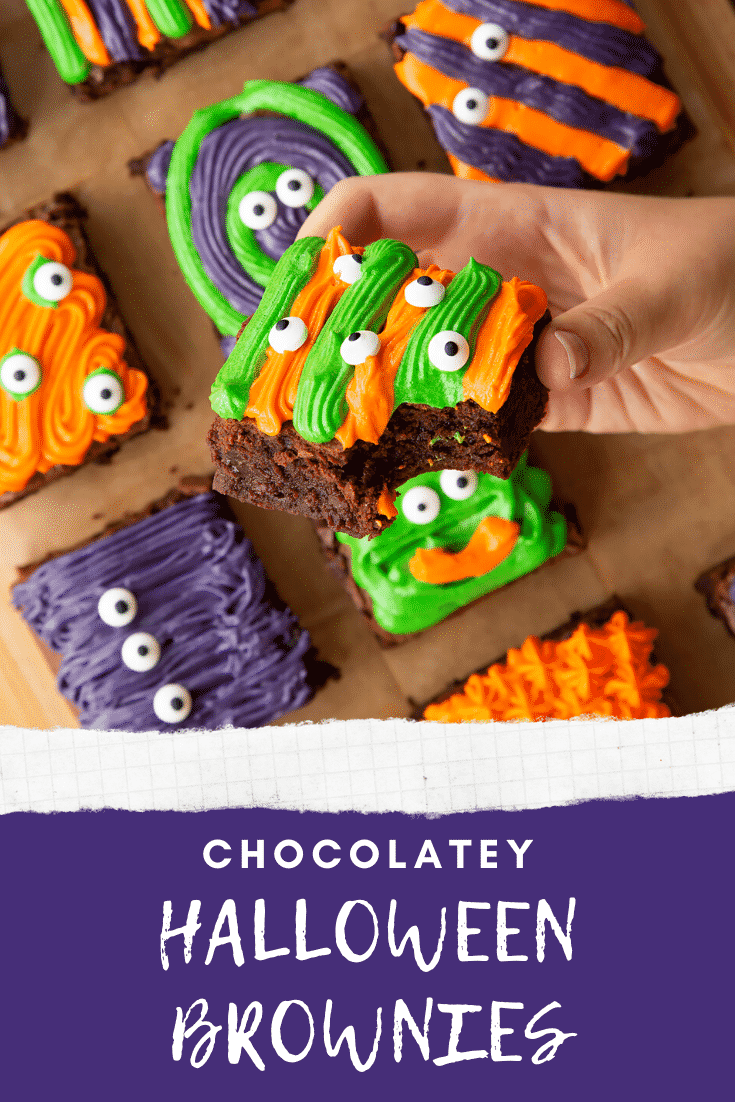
(657, 510)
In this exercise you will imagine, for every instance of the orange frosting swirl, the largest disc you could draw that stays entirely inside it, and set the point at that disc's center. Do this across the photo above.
(53, 426)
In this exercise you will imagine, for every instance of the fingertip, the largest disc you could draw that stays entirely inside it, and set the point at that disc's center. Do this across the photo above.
(562, 359)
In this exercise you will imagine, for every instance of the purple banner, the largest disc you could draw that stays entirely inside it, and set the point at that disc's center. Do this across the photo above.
(581, 952)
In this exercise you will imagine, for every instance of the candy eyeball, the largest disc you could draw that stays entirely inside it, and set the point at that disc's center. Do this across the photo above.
(471, 106)
(288, 334)
(172, 703)
(421, 505)
(20, 374)
(424, 291)
(348, 268)
(295, 187)
(52, 281)
(257, 210)
(141, 651)
(459, 485)
(103, 391)
(448, 351)
(356, 348)
(490, 42)
(117, 607)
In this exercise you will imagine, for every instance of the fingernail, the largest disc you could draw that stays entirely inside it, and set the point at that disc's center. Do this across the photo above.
(577, 352)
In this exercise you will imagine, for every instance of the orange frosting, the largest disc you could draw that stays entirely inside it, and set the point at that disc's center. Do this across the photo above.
(491, 542)
(597, 671)
(387, 504)
(501, 341)
(432, 16)
(273, 393)
(370, 391)
(598, 156)
(53, 426)
(147, 31)
(85, 31)
(197, 9)
(469, 172)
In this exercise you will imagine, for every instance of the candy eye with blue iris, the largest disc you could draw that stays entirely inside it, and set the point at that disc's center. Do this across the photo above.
(421, 505)
(356, 348)
(103, 392)
(117, 607)
(172, 703)
(258, 210)
(288, 335)
(489, 42)
(458, 485)
(471, 106)
(20, 374)
(295, 188)
(448, 351)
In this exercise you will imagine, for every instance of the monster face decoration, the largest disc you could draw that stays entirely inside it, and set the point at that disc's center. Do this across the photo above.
(554, 92)
(167, 622)
(344, 336)
(458, 535)
(239, 183)
(63, 381)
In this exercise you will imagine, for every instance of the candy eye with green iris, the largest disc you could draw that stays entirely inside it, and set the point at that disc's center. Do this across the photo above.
(20, 374)
(103, 391)
(47, 282)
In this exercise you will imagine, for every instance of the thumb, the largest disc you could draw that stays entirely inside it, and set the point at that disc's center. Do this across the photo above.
(621, 326)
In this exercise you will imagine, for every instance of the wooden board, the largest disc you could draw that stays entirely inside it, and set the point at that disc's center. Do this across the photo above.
(657, 510)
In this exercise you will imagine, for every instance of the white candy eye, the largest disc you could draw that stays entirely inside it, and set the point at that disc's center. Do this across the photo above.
(448, 351)
(288, 334)
(490, 42)
(295, 188)
(421, 505)
(20, 374)
(172, 703)
(347, 268)
(117, 607)
(459, 485)
(356, 348)
(52, 281)
(103, 392)
(424, 291)
(258, 210)
(471, 106)
(141, 651)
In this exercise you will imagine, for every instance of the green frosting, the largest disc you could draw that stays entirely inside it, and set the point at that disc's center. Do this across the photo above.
(170, 16)
(54, 26)
(231, 388)
(321, 406)
(463, 310)
(243, 243)
(403, 605)
(29, 290)
(303, 104)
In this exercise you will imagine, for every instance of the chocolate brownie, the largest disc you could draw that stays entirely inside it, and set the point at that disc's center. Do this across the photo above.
(718, 587)
(167, 618)
(600, 663)
(79, 370)
(361, 370)
(568, 95)
(109, 44)
(232, 205)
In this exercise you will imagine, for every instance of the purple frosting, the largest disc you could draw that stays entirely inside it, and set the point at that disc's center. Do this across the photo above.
(503, 155)
(597, 41)
(201, 592)
(563, 102)
(7, 115)
(225, 155)
(117, 28)
(334, 87)
(157, 167)
(228, 11)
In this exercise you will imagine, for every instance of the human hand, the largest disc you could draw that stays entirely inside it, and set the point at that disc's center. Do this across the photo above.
(641, 290)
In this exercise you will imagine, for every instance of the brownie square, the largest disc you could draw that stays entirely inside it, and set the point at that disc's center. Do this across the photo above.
(232, 207)
(716, 585)
(486, 533)
(607, 669)
(391, 371)
(109, 48)
(12, 126)
(63, 360)
(167, 619)
(539, 95)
